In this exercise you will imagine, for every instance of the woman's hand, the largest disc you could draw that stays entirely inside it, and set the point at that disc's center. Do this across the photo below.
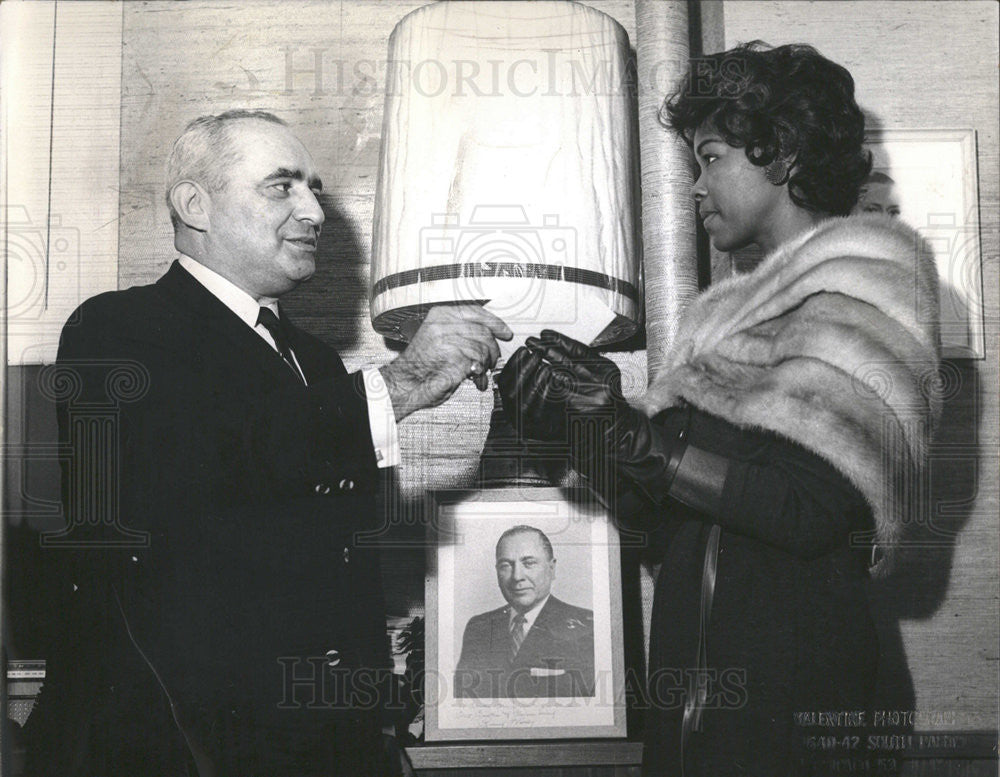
(552, 381)
(559, 390)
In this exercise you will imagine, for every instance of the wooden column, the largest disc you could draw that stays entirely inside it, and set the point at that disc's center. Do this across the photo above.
(668, 215)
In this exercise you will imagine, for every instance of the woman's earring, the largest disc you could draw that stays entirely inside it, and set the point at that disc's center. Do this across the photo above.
(777, 171)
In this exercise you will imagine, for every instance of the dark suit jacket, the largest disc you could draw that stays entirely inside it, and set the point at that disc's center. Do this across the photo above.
(555, 659)
(251, 489)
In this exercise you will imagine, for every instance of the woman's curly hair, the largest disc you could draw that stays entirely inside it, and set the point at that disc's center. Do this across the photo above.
(786, 102)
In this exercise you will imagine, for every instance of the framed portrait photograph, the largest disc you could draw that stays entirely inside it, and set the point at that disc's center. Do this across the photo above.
(928, 178)
(524, 618)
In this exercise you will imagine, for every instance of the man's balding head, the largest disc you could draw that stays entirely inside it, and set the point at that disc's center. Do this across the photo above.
(244, 195)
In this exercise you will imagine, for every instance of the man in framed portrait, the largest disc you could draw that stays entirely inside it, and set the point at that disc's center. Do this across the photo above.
(536, 645)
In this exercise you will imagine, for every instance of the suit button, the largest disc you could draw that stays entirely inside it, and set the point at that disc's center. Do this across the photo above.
(347, 555)
(322, 488)
(333, 657)
(346, 485)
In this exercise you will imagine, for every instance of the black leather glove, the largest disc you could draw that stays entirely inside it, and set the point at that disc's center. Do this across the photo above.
(553, 380)
(560, 390)
(557, 389)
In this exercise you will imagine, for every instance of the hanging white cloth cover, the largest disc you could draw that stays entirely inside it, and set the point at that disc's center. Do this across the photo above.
(508, 170)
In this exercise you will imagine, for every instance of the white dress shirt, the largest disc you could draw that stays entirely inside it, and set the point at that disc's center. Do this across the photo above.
(381, 417)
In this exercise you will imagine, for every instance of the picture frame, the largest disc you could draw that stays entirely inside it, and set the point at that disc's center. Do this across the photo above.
(933, 186)
(553, 693)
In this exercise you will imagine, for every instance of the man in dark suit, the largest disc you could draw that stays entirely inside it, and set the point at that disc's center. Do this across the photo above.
(537, 645)
(224, 465)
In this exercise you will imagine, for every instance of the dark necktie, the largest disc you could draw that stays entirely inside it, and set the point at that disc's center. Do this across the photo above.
(272, 324)
(517, 632)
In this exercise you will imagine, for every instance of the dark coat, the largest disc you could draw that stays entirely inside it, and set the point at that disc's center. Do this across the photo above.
(790, 631)
(241, 498)
(555, 659)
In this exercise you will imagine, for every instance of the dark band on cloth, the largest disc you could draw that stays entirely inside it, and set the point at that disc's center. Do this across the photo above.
(549, 272)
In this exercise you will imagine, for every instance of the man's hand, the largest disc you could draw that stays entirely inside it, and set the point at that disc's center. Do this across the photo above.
(454, 342)
(554, 378)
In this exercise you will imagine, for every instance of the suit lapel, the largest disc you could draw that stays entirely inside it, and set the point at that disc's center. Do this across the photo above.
(315, 362)
(500, 636)
(217, 320)
(539, 635)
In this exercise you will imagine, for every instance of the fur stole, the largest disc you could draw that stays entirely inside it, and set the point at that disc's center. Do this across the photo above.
(832, 342)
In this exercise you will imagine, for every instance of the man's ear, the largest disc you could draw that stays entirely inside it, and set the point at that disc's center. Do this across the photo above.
(191, 203)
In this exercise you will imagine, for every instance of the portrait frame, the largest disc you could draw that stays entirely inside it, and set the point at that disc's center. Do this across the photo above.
(936, 181)
(463, 533)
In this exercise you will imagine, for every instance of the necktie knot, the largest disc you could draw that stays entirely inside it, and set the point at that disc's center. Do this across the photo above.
(267, 319)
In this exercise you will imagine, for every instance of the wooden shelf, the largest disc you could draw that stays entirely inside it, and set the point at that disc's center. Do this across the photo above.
(965, 745)
(525, 754)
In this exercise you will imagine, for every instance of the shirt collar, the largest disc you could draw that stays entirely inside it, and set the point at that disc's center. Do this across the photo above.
(530, 616)
(228, 293)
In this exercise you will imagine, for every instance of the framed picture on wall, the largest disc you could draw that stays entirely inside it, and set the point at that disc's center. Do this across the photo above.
(929, 179)
(524, 618)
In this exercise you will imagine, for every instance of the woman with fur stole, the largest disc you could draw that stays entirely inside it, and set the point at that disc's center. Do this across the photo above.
(772, 453)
